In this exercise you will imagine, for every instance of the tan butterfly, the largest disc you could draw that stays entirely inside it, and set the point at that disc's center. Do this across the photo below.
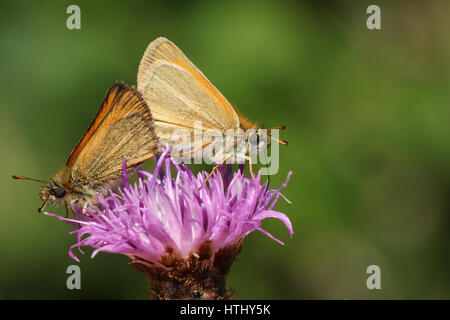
(180, 96)
(123, 127)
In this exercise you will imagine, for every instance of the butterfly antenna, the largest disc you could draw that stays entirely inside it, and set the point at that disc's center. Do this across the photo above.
(26, 178)
(278, 128)
(283, 142)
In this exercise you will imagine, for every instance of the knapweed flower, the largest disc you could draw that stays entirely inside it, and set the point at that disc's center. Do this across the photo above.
(182, 232)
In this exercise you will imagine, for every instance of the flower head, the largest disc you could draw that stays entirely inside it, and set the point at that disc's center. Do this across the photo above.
(177, 216)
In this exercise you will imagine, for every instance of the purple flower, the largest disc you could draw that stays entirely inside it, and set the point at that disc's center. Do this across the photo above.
(182, 212)
(163, 214)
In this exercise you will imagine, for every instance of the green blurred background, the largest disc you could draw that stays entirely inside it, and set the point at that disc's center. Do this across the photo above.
(366, 112)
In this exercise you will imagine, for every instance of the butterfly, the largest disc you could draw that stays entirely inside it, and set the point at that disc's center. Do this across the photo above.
(185, 106)
(122, 128)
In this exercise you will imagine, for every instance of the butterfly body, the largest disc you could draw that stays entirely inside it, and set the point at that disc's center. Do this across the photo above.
(63, 189)
(187, 108)
(122, 128)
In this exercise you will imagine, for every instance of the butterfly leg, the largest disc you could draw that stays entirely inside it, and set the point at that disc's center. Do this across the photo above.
(193, 150)
(85, 206)
(74, 214)
(215, 168)
(212, 172)
(250, 165)
(67, 211)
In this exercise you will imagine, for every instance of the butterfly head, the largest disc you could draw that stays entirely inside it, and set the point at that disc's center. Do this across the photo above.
(53, 193)
(258, 140)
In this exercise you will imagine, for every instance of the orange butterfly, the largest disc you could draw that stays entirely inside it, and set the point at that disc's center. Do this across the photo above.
(123, 127)
(179, 96)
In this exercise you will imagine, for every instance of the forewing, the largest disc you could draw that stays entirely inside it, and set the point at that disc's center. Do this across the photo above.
(122, 128)
(178, 93)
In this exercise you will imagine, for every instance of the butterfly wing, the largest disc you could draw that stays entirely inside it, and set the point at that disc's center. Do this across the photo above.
(179, 94)
(123, 127)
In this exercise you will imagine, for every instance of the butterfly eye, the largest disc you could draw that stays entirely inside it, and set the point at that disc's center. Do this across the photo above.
(59, 192)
